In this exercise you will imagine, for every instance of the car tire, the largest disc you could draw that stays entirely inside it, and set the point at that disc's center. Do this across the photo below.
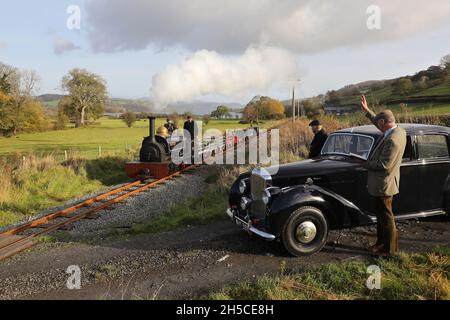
(305, 232)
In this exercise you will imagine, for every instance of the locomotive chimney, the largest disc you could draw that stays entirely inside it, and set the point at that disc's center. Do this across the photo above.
(152, 128)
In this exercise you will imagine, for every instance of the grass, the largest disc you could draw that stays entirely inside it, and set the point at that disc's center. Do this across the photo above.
(408, 276)
(209, 207)
(113, 136)
(387, 93)
(34, 183)
(442, 89)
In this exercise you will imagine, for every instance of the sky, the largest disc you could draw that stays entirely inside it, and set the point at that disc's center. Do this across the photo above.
(178, 50)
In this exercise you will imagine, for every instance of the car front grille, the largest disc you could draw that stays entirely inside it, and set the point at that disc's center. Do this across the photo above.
(258, 184)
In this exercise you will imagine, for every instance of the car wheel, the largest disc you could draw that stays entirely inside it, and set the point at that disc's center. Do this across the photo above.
(305, 231)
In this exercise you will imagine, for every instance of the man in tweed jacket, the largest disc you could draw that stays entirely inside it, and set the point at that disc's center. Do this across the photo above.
(383, 177)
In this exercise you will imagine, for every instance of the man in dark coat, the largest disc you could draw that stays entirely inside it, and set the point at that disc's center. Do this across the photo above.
(191, 127)
(320, 136)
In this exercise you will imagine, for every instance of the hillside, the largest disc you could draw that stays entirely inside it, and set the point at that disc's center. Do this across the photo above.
(426, 91)
(387, 95)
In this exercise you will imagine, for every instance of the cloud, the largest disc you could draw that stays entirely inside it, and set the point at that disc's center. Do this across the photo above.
(302, 26)
(207, 72)
(2, 45)
(61, 46)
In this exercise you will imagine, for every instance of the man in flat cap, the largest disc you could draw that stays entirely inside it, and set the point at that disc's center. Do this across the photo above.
(383, 177)
(320, 136)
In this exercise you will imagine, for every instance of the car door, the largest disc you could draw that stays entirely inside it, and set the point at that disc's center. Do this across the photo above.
(406, 201)
(434, 169)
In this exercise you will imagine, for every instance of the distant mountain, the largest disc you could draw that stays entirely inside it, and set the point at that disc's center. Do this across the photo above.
(50, 97)
(200, 107)
(119, 105)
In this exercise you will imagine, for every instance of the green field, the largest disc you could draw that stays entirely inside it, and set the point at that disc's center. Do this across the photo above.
(419, 109)
(387, 93)
(112, 136)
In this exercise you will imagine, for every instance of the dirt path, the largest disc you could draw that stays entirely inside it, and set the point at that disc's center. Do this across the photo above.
(184, 263)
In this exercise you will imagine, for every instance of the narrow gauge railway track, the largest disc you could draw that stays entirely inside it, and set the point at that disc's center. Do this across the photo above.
(22, 237)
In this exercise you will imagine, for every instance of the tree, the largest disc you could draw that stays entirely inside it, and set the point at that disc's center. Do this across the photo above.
(260, 108)
(62, 119)
(333, 98)
(403, 86)
(221, 112)
(445, 65)
(18, 89)
(33, 117)
(87, 93)
(23, 87)
(423, 83)
(129, 118)
(313, 107)
(445, 62)
(275, 109)
(5, 101)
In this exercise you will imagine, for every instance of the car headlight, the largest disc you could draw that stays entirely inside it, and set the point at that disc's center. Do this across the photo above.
(242, 186)
(245, 203)
(265, 196)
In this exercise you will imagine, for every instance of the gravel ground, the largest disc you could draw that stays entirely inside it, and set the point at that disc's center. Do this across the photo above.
(186, 263)
(143, 206)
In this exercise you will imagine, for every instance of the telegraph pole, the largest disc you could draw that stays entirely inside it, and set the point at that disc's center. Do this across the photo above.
(293, 103)
(301, 109)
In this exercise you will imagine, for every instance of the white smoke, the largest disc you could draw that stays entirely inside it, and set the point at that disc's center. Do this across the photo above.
(207, 72)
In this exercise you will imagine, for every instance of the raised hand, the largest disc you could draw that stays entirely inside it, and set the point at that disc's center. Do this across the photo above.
(364, 104)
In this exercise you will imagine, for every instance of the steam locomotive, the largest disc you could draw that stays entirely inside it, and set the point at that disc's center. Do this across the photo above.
(155, 153)
(154, 156)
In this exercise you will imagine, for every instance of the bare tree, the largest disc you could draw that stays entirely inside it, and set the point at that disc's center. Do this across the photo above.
(23, 87)
(445, 64)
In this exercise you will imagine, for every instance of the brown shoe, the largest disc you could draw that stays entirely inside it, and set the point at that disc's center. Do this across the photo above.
(382, 253)
(375, 248)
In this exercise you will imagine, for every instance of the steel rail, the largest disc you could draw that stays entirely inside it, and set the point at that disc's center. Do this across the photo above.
(20, 243)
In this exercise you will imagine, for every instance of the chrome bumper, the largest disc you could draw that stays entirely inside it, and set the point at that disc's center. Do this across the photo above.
(247, 226)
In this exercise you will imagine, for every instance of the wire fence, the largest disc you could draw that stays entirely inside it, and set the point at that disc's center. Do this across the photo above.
(65, 154)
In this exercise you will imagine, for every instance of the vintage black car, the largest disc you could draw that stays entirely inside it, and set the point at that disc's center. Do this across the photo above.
(300, 202)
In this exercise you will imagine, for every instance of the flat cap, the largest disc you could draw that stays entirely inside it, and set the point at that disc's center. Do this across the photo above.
(314, 123)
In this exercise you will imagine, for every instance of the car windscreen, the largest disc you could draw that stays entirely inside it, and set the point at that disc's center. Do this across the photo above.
(348, 144)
